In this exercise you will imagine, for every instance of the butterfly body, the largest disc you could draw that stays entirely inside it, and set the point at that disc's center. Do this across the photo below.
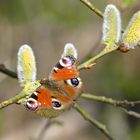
(58, 92)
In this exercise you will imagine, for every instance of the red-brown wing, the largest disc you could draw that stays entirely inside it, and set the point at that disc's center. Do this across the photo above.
(39, 99)
(66, 67)
(65, 72)
(44, 98)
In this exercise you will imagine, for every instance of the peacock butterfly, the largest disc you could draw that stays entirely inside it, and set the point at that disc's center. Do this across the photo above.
(58, 92)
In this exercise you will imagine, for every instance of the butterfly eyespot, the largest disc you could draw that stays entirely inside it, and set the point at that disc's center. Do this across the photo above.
(32, 104)
(64, 61)
(74, 82)
(67, 61)
(56, 104)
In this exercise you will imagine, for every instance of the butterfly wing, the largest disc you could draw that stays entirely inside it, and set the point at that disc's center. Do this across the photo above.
(131, 36)
(65, 72)
(65, 68)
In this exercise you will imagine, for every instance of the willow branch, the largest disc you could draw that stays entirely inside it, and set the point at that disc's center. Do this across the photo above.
(131, 113)
(25, 92)
(12, 100)
(93, 8)
(8, 72)
(118, 103)
(15, 98)
(102, 99)
(93, 121)
(91, 61)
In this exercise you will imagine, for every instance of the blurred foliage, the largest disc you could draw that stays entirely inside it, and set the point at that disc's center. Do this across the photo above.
(117, 79)
(136, 133)
(1, 122)
(64, 12)
(129, 2)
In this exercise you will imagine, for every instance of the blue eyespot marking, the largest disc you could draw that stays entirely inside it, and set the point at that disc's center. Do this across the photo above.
(74, 82)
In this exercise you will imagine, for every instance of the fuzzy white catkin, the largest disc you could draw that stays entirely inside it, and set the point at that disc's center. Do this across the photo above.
(70, 49)
(111, 9)
(22, 68)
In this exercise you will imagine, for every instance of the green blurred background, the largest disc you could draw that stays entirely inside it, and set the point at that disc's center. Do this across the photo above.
(46, 25)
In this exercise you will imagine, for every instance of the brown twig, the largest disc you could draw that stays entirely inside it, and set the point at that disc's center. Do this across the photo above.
(93, 121)
(8, 72)
(131, 113)
(119, 103)
(102, 99)
(12, 100)
(93, 8)
(122, 104)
